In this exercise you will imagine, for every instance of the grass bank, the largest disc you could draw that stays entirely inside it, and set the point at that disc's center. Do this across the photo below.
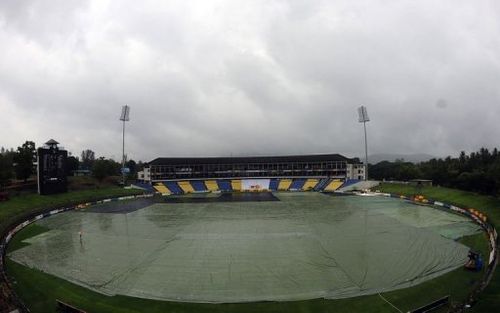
(490, 298)
(24, 205)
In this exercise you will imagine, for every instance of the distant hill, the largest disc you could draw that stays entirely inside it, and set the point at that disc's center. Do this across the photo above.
(414, 158)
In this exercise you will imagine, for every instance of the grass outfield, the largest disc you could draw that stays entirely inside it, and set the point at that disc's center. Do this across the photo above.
(39, 290)
(20, 206)
(490, 298)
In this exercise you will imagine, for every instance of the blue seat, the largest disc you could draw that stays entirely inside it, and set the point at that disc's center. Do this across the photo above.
(322, 184)
(297, 184)
(224, 185)
(146, 186)
(273, 184)
(349, 182)
(198, 185)
(173, 187)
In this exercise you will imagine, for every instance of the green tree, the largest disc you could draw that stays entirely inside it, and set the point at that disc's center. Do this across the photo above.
(72, 164)
(88, 158)
(103, 168)
(407, 171)
(24, 159)
(494, 173)
(132, 165)
(6, 168)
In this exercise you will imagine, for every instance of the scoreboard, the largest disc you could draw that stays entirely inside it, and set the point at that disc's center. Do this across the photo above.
(52, 176)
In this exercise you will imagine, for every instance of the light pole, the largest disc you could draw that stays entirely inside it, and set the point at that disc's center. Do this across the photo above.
(363, 118)
(124, 117)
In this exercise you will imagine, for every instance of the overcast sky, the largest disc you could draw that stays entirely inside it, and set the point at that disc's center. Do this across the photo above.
(219, 78)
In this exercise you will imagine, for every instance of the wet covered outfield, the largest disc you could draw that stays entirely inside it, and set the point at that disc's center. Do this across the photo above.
(307, 245)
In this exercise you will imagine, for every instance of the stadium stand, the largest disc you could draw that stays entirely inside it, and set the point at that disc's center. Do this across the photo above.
(212, 185)
(322, 184)
(162, 188)
(349, 182)
(236, 184)
(273, 184)
(359, 185)
(198, 186)
(297, 184)
(284, 184)
(310, 184)
(224, 185)
(186, 186)
(173, 187)
(297, 166)
(333, 185)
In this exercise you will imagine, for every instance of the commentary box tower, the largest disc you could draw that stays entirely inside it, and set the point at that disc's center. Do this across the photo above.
(51, 169)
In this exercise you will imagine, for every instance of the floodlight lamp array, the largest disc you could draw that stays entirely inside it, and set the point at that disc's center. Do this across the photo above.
(125, 113)
(363, 114)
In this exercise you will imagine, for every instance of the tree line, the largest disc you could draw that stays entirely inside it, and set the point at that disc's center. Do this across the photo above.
(478, 171)
(20, 164)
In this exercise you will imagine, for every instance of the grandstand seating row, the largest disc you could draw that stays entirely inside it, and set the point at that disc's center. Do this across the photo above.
(225, 185)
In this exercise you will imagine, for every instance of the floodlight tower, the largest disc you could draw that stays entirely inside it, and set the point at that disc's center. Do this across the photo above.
(363, 118)
(124, 117)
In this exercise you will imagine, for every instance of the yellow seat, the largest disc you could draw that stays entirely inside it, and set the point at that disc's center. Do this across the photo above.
(185, 186)
(236, 185)
(334, 185)
(310, 184)
(162, 189)
(211, 185)
(284, 184)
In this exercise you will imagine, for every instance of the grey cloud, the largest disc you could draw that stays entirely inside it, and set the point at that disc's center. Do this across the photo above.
(251, 77)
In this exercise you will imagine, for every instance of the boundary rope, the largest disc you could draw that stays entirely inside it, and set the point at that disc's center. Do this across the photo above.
(390, 303)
